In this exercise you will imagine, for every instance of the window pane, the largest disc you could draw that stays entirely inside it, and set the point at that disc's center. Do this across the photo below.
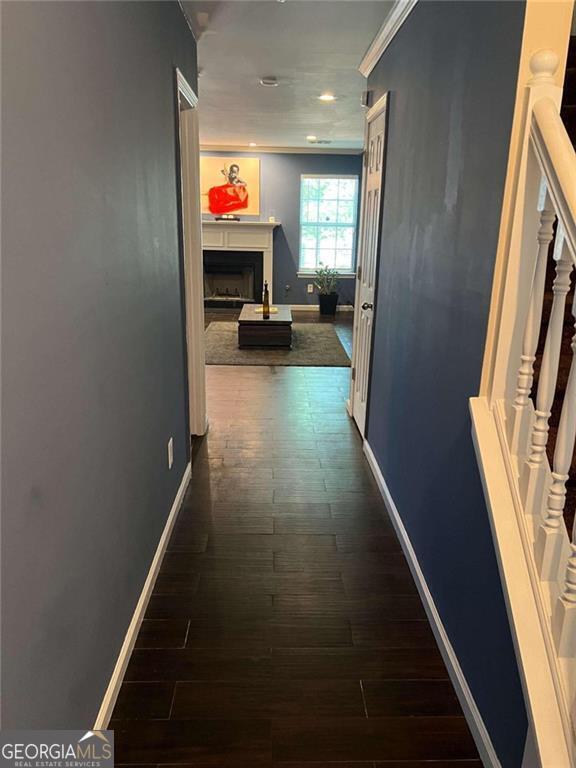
(327, 237)
(328, 211)
(328, 189)
(345, 238)
(346, 211)
(308, 258)
(344, 259)
(327, 257)
(310, 211)
(347, 189)
(310, 189)
(309, 236)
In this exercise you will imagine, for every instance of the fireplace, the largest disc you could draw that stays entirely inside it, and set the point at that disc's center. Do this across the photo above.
(232, 278)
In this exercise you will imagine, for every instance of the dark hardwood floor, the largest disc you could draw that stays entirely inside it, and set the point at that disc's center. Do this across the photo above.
(285, 630)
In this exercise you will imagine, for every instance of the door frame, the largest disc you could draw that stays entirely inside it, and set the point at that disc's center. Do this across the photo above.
(190, 229)
(380, 106)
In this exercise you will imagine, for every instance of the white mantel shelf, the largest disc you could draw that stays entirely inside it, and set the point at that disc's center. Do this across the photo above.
(227, 235)
(231, 223)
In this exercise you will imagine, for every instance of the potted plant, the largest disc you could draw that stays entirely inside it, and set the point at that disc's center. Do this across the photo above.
(326, 280)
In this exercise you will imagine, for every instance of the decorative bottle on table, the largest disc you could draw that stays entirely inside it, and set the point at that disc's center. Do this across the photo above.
(266, 302)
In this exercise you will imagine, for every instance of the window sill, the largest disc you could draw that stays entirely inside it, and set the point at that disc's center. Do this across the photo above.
(341, 275)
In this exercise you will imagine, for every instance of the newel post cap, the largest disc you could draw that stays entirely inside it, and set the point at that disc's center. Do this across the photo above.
(543, 65)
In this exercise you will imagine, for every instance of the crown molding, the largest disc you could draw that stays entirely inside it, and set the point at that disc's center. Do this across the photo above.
(397, 16)
(316, 150)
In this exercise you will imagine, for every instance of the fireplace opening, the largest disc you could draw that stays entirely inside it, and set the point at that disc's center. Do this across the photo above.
(232, 278)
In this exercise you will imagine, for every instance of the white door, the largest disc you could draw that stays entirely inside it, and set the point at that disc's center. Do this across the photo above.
(367, 261)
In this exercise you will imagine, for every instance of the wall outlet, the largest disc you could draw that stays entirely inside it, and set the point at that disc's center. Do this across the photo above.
(310, 287)
(170, 452)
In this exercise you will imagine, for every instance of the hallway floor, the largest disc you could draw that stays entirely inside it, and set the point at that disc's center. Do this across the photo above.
(285, 629)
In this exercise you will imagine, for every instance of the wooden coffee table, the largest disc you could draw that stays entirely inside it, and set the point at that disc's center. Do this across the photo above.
(255, 331)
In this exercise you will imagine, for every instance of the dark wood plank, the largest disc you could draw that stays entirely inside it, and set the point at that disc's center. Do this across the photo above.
(381, 738)
(214, 743)
(277, 584)
(392, 634)
(197, 664)
(268, 699)
(144, 701)
(170, 633)
(245, 633)
(371, 607)
(357, 664)
(410, 697)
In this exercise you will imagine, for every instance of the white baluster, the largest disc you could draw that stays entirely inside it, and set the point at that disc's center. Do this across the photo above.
(549, 538)
(533, 475)
(564, 618)
(519, 437)
(551, 533)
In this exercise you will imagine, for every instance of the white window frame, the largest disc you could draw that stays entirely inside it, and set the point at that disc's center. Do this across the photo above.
(343, 273)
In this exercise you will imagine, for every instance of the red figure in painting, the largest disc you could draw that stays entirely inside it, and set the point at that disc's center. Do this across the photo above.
(229, 197)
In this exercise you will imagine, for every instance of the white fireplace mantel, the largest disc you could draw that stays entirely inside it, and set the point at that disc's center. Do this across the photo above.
(242, 236)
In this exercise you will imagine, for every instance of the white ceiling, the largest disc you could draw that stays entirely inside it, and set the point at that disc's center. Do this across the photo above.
(310, 46)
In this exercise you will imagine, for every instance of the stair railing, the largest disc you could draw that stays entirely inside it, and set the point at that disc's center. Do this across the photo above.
(535, 496)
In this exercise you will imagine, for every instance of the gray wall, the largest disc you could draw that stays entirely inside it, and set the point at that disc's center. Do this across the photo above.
(92, 349)
(451, 72)
(280, 196)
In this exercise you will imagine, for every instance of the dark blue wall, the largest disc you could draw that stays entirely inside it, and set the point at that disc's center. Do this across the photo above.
(451, 73)
(280, 197)
(92, 344)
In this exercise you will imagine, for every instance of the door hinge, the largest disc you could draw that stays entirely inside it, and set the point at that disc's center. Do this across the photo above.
(353, 374)
(359, 272)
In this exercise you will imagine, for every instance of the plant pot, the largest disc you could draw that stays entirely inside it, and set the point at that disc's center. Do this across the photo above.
(328, 303)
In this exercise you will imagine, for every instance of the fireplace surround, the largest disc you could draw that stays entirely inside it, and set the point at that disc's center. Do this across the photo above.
(232, 279)
(238, 238)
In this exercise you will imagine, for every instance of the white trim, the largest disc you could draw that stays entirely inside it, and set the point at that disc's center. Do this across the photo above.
(193, 259)
(377, 108)
(469, 707)
(315, 308)
(185, 89)
(316, 150)
(111, 694)
(397, 16)
(549, 718)
(241, 223)
(341, 275)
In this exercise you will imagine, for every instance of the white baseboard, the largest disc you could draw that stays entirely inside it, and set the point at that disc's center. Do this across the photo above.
(314, 307)
(113, 689)
(471, 712)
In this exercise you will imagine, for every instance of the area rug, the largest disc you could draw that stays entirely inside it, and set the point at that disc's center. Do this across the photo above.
(312, 345)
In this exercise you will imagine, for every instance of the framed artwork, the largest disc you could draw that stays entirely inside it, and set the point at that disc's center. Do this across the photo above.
(230, 185)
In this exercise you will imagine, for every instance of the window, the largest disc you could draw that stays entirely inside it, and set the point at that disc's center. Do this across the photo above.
(328, 213)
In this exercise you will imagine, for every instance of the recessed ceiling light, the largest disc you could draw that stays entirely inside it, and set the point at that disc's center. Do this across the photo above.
(252, 144)
(311, 139)
(327, 97)
(269, 82)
